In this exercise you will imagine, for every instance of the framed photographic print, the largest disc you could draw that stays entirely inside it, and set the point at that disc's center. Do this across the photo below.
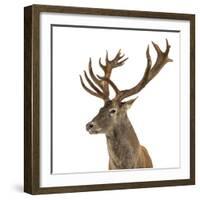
(109, 99)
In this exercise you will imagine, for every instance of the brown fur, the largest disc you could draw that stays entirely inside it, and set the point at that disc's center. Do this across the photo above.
(124, 149)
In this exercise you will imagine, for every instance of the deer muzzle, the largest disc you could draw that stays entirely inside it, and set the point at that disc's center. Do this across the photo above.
(92, 128)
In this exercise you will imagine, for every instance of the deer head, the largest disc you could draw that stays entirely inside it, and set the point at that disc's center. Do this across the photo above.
(115, 110)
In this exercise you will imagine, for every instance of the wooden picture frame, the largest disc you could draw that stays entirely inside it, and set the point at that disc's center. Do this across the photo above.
(32, 92)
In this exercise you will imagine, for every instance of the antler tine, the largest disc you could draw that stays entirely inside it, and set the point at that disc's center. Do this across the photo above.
(89, 90)
(94, 78)
(101, 65)
(150, 73)
(91, 84)
(107, 59)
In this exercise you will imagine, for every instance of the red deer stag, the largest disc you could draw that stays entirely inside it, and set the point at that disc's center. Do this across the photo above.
(124, 148)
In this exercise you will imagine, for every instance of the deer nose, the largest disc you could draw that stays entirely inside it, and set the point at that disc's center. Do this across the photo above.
(89, 126)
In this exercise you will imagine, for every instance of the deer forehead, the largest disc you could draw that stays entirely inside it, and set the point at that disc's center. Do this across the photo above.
(109, 105)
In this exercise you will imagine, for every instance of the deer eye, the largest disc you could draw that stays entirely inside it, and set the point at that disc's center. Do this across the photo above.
(112, 111)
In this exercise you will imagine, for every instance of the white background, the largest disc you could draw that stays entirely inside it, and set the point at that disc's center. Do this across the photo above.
(11, 101)
(74, 150)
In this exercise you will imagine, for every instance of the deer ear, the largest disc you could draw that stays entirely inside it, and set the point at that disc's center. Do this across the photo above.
(126, 105)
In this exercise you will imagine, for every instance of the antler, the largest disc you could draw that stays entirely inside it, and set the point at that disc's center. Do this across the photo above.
(149, 74)
(101, 89)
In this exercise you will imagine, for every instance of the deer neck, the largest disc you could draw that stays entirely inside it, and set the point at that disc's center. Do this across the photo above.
(123, 144)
